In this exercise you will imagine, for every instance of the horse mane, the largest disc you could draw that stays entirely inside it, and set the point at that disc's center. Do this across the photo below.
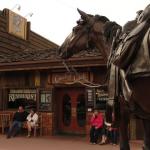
(101, 18)
(110, 29)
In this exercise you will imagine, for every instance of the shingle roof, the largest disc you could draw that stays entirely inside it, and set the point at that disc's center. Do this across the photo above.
(34, 55)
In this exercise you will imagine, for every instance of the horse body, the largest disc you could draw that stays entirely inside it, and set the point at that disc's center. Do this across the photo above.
(89, 32)
(132, 57)
(140, 76)
(137, 65)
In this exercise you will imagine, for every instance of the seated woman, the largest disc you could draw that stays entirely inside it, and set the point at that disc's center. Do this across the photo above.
(32, 120)
(96, 126)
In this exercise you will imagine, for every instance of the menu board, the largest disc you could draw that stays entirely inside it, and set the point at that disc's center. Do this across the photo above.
(90, 98)
(45, 103)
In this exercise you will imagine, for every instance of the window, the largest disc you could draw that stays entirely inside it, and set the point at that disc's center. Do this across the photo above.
(66, 110)
(45, 103)
(81, 110)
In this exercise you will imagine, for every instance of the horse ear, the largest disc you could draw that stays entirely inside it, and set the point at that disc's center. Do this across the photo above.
(84, 16)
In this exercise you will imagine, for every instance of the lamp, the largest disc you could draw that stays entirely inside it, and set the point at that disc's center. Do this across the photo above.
(17, 6)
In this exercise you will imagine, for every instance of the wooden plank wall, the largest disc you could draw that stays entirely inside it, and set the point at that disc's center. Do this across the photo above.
(18, 80)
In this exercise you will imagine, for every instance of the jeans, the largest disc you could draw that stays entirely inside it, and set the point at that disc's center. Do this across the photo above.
(94, 134)
(14, 129)
(114, 136)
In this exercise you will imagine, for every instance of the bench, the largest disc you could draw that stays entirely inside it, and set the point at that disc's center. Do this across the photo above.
(5, 121)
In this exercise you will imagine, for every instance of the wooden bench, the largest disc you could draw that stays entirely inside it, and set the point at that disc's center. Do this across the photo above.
(5, 121)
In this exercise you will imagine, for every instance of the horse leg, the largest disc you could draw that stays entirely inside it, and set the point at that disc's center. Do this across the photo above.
(146, 124)
(124, 121)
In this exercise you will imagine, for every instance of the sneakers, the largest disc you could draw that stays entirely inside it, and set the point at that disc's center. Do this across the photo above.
(29, 135)
(93, 143)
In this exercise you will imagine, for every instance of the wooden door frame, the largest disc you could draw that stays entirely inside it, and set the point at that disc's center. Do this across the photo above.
(57, 130)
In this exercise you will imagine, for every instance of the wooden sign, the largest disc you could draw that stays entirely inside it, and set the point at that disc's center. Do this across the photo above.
(68, 78)
(90, 98)
(22, 93)
(17, 25)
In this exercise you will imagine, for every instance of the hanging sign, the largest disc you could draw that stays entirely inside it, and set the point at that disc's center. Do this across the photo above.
(17, 25)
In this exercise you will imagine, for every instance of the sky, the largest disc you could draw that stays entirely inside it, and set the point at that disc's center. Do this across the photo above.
(54, 19)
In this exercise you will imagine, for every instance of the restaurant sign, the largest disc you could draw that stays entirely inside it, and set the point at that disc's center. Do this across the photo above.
(69, 78)
(18, 94)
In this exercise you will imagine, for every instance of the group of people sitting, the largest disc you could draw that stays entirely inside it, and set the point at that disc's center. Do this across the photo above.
(21, 117)
(101, 130)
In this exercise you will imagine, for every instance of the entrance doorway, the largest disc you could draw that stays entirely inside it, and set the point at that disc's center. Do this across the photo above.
(70, 111)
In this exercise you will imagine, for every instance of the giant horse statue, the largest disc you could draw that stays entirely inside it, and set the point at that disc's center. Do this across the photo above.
(131, 55)
(134, 94)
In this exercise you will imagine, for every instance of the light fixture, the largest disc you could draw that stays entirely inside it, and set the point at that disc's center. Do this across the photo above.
(18, 6)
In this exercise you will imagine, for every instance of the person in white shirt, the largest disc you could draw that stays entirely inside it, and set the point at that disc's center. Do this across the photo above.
(32, 120)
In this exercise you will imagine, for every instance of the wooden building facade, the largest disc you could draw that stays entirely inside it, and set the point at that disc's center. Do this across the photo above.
(31, 74)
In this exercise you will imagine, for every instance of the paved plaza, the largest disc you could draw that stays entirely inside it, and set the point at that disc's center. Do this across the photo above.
(56, 143)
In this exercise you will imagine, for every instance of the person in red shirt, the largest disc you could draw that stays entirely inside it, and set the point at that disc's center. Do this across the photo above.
(96, 126)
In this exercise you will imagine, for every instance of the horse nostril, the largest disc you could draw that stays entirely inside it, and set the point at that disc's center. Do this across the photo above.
(73, 29)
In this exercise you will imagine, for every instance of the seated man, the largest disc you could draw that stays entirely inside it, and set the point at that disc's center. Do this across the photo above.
(112, 132)
(18, 119)
(32, 120)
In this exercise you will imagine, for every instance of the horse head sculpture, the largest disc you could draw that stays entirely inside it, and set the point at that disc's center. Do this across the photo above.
(86, 35)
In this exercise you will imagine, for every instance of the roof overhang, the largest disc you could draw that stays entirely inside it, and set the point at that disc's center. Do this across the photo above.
(51, 64)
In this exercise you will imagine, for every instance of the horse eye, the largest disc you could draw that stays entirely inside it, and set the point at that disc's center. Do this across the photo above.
(75, 29)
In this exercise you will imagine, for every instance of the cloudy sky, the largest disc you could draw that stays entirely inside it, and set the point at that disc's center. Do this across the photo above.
(54, 19)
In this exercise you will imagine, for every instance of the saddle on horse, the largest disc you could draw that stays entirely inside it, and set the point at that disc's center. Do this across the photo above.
(130, 46)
